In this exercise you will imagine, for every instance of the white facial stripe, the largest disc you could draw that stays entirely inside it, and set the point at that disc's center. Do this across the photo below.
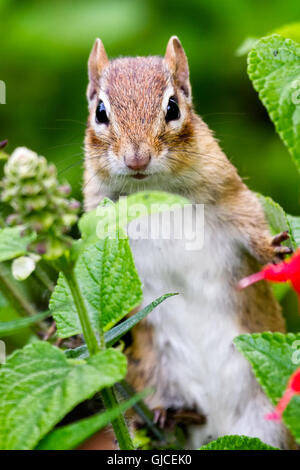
(103, 97)
(167, 95)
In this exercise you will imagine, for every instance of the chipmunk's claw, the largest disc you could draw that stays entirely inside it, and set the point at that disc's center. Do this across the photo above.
(281, 251)
(160, 416)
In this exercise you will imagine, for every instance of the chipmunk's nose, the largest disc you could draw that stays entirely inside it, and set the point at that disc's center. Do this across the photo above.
(137, 162)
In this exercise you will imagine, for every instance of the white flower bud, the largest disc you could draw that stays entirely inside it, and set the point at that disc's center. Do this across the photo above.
(22, 267)
(22, 162)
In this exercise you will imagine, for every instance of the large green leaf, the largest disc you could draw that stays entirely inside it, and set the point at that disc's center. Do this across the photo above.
(291, 417)
(108, 217)
(39, 386)
(108, 282)
(13, 243)
(236, 442)
(271, 356)
(72, 435)
(274, 68)
(274, 357)
(294, 223)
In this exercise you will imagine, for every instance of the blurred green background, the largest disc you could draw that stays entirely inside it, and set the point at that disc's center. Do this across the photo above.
(44, 50)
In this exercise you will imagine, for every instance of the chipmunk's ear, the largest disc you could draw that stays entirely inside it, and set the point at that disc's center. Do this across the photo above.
(178, 64)
(97, 61)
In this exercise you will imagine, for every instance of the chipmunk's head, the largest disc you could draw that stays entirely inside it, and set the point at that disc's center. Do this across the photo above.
(141, 124)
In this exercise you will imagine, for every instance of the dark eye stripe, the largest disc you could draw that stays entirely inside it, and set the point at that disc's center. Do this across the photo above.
(101, 116)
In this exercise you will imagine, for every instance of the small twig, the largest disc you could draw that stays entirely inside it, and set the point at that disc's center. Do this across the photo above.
(3, 143)
(50, 331)
(58, 342)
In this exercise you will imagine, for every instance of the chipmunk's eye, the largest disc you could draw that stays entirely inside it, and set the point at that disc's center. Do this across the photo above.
(101, 116)
(173, 111)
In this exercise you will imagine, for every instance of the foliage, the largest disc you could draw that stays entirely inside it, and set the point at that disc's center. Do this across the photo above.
(39, 386)
(72, 435)
(273, 66)
(108, 280)
(237, 443)
(94, 277)
(97, 286)
(270, 355)
(38, 202)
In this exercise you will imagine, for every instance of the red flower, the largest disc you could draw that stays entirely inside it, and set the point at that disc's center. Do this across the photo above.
(282, 272)
(292, 389)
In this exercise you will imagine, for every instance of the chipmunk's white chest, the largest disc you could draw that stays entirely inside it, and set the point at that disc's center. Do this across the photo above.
(194, 330)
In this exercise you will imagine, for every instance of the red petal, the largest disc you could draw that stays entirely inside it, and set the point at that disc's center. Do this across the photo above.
(294, 383)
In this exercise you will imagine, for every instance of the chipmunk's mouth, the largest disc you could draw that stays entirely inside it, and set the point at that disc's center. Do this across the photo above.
(139, 176)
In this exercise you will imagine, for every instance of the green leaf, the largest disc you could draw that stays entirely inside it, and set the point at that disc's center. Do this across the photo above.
(278, 220)
(12, 244)
(81, 352)
(108, 217)
(11, 327)
(39, 386)
(274, 357)
(109, 284)
(71, 436)
(294, 223)
(291, 31)
(274, 68)
(291, 417)
(246, 46)
(113, 335)
(237, 443)
(280, 290)
(271, 356)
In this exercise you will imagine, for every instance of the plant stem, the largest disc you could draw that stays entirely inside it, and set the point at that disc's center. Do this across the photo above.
(88, 333)
(142, 410)
(108, 394)
(119, 424)
(44, 278)
(13, 295)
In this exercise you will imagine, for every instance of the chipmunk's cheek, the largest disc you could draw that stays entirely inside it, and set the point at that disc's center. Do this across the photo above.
(113, 162)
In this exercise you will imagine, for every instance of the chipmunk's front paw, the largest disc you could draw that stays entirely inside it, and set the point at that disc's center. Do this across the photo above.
(279, 251)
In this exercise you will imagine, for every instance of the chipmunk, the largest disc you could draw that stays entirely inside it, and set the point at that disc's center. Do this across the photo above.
(143, 134)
